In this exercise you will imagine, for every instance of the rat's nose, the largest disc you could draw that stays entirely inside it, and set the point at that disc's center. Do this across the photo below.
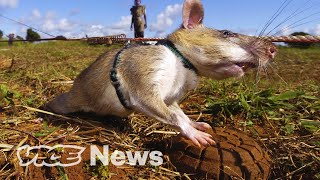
(272, 52)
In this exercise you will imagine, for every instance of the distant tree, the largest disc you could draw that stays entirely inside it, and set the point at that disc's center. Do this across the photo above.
(300, 44)
(61, 38)
(32, 35)
(1, 34)
(19, 38)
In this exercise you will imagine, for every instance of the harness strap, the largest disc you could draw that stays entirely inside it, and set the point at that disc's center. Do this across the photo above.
(115, 80)
(113, 73)
(186, 63)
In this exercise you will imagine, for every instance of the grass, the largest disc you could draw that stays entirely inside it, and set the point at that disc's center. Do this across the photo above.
(258, 105)
(280, 109)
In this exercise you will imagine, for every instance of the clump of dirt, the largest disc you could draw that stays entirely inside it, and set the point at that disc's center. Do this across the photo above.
(235, 155)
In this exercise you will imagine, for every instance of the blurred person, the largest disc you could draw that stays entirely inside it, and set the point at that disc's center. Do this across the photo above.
(11, 38)
(139, 19)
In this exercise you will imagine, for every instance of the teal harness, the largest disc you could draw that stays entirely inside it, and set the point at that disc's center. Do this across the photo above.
(186, 63)
(113, 73)
(114, 78)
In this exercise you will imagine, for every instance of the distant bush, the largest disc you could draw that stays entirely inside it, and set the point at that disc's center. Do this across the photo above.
(300, 44)
(1, 34)
(32, 35)
(61, 38)
(19, 38)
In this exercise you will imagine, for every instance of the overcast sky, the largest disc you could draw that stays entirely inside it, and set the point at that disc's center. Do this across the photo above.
(76, 18)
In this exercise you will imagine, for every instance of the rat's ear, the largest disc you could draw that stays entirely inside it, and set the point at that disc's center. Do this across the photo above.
(192, 13)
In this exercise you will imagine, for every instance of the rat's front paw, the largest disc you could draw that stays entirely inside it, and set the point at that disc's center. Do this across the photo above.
(198, 138)
(202, 126)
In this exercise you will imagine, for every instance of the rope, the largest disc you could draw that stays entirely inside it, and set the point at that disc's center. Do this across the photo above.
(304, 39)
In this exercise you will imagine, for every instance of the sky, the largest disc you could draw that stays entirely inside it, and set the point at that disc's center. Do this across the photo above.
(78, 18)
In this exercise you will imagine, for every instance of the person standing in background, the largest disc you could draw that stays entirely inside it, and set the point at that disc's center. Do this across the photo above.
(139, 19)
(11, 38)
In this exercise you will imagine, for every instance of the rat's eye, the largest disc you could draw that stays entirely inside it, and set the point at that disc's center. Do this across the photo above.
(227, 33)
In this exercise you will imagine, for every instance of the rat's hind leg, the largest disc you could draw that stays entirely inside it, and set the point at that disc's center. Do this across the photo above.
(64, 104)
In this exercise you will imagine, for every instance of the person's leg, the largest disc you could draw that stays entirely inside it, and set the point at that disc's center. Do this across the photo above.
(141, 34)
(138, 34)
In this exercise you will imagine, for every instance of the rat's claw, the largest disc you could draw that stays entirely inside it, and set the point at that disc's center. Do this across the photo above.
(211, 141)
(195, 142)
(199, 138)
(208, 138)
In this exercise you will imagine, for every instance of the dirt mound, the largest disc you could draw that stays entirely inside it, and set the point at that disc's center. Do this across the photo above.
(235, 155)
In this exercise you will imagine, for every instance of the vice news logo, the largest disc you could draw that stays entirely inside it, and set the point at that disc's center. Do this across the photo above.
(28, 155)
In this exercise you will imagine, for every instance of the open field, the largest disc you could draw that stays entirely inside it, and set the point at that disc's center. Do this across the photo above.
(280, 108)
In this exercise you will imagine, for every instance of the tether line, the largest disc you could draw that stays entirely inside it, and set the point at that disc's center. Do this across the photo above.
(1, 15)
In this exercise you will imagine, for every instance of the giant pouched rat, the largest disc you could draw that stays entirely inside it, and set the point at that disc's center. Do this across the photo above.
(152, 78)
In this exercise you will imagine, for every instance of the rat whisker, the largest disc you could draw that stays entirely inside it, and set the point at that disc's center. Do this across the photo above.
(272, 18)
(284, 5)
(257, 79)
(292, 15)
(276, 73)
(294, 26)
(260, 49)
(265, 70)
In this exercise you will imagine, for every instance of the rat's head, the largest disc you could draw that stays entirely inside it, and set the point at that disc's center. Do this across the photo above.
(218, 54)
(137, 2)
